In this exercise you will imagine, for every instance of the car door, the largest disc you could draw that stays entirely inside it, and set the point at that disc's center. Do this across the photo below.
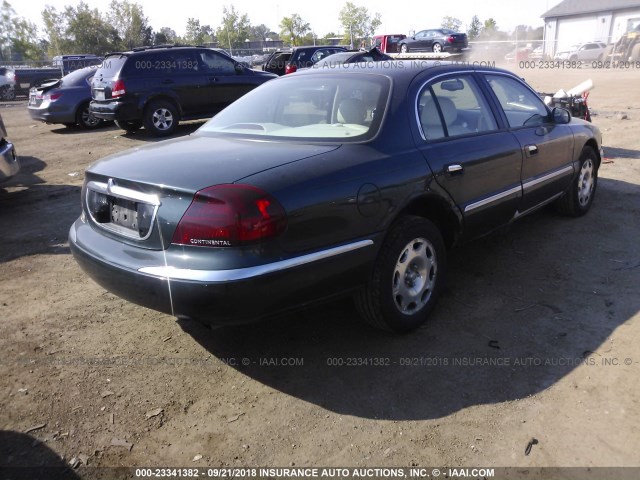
(226, 80)
(431, 38)
(420, 40)
(547, 147)
(473, 158)
(181, 74)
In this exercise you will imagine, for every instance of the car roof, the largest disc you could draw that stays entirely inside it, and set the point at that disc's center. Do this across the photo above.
(308, 47)
(164, 48)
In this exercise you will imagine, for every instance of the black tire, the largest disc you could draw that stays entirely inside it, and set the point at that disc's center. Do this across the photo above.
(129, 126)
(399, 298)
(578, 199)
(404, 48)
(437, 48)
(160, 118)
(635, 53)
(85, 119)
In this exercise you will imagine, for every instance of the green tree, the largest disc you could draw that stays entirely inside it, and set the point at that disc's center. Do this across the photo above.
(475, 27)
(18, 36)
(165, 35)
(55, 26)
(89, 31)
(357, 24)
(198, 34)
(451, 23)
(234, 30)
(131, 24)
(293, 29)
(259, 32)
(490, 26)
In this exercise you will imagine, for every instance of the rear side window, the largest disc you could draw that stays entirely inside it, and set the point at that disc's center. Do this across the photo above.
(454, 106)
(522, 107)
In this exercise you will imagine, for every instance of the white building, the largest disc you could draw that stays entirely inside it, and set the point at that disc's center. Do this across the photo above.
(577, 21)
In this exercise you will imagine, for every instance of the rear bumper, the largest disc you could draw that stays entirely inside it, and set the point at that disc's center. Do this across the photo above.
(219, 296)
(115, 110)
(9, 164)
(53, 113)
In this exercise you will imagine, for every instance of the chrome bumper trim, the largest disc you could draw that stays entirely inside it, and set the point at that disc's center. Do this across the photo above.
(172, 273)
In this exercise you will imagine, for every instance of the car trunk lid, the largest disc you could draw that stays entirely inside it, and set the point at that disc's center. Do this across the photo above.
(139, 196)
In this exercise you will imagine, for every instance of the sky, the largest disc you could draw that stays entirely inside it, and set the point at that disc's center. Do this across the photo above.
(397, 16)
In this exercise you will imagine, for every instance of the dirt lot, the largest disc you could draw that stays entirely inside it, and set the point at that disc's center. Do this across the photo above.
(553, 303)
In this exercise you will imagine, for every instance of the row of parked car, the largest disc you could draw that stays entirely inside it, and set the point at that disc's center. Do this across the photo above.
(156, 88)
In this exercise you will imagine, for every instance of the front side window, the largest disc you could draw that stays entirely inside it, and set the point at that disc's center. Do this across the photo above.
(217, 64)
(454, 106)
(522, 107)
(323, 108)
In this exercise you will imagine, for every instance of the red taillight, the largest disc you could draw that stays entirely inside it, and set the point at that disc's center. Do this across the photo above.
(290, 69)
(229, 215)
(451, 39)
(118, 89)
(52, 96)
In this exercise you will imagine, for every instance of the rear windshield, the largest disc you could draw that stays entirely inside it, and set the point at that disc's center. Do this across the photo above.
(111, 66)
(79, 77)
(338, 107)
(279, 60)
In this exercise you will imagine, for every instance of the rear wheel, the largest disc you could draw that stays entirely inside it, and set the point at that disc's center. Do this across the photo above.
(129, 126)
(579, 197)
(85, 119)
(437, 48)
(160, 118)
(407, 277)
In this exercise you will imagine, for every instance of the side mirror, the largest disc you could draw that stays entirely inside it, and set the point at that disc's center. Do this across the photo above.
(561, 116)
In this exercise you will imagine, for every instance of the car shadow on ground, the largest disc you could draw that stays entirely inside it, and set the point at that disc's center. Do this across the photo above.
(77, 129)
(25, 457)
(612, 152)
(522, 310)
(51, 209)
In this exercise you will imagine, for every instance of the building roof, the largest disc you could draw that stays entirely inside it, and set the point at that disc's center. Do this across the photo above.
(579, 7)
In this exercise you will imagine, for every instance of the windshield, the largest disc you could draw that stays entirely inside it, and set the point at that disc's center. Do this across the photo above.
(316, 107)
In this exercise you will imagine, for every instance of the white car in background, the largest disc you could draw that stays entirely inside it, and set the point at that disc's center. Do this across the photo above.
(583, 51)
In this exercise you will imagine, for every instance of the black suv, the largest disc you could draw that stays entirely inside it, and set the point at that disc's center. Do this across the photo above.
(157, 87)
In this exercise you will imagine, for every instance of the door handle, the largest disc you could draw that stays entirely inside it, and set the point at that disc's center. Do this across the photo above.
(167, 82)
(213, 79)
(531, 150)
(455, 169)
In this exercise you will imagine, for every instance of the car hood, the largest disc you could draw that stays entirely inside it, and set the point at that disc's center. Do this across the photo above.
(198, 161)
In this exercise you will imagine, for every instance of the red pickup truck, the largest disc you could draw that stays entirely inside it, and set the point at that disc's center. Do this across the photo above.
(387, 43)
